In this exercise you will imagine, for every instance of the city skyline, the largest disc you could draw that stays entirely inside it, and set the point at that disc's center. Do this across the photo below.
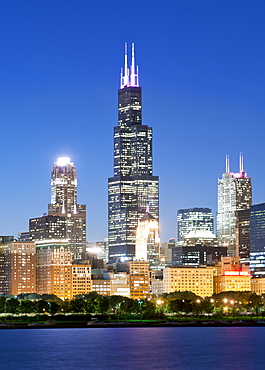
(203, 92)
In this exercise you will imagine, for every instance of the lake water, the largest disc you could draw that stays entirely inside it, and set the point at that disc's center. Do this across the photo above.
(133, 348)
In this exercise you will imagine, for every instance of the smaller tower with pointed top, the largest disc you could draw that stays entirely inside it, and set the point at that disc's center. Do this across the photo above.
(64, 203)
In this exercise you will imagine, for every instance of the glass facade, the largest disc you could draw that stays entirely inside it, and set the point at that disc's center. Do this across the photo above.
(193, 219)
(257, 240)
(133, 188)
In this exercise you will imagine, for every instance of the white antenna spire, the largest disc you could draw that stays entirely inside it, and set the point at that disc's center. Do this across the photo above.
(241, 162)
(130, 77)
(227, 164)
(133, 75)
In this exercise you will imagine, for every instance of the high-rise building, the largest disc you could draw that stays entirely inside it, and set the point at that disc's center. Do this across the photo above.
(243, 235)
(17, 268)
(64, 204)
(47, 227)
(193, 219)
(133, 187)
(148, 241)
(234, 194)
(257, 240)
(54, 267)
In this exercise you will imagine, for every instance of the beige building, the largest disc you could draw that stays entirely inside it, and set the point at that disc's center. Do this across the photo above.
(196, 280)
(81, 279)
(258, 285)
(18, 268)
(232, 281)
(54, 269)
(120, 284)
(101, 286)
(139, 279)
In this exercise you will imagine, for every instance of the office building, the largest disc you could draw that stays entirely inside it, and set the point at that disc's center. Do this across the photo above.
(17, 268)
(64, 204)
(133, 187)
(193, 219)
(183, 279)
(81, 278)
(257, 240)
(243, 235)
(139, 279)
(234, 194)
(47, 227)
(54, 268)
(148, 241)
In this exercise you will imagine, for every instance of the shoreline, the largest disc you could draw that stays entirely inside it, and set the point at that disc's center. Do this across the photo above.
(249, 323)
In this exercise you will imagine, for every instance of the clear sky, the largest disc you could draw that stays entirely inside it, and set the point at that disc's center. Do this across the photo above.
(201, 66)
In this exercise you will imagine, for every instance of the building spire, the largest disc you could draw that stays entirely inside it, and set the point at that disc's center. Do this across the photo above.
(130, 76)
(227, 164)
(241, 162)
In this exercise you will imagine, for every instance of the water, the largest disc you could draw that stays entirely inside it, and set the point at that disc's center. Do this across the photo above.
(133, 348)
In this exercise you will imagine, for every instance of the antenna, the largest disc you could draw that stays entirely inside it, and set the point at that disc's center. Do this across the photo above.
(227, 164)
(241, 162)
(130, 77)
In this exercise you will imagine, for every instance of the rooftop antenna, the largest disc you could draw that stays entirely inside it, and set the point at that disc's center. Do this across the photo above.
(125, 78)
(241, 162)
(134, 71)
(227, 164)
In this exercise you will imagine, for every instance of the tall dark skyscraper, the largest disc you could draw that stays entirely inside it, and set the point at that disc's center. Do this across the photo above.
(133, 188)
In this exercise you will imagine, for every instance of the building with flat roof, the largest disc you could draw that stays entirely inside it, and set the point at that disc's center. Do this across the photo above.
(182, 279)
(17, 268)
(193, 219)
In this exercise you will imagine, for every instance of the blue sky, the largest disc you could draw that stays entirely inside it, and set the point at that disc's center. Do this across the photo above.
(202, 71)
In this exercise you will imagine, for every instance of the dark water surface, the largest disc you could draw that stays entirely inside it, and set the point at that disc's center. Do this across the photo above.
(134, 348)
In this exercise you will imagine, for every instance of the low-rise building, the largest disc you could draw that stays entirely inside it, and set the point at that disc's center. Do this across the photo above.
(196, 280)
(81, 278)
(258, 285)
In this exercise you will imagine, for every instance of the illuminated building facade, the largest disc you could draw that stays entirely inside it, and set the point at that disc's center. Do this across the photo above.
(133, 187)
(17, 268)
(148, 241)
(81, 279)
(193, 219)
(54, 268)
(183, 279)
(139, 279)
(232, 281)
(64, 204)
(234, 194)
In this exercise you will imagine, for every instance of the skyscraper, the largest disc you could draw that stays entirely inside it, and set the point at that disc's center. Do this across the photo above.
(234, 194)
(193, 219)
(64, 203)
(133, 187)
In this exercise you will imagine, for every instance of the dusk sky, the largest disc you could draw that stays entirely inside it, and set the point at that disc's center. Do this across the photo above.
(202, 70)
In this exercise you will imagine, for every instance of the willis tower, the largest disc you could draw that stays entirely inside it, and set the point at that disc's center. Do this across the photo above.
(133, 190)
